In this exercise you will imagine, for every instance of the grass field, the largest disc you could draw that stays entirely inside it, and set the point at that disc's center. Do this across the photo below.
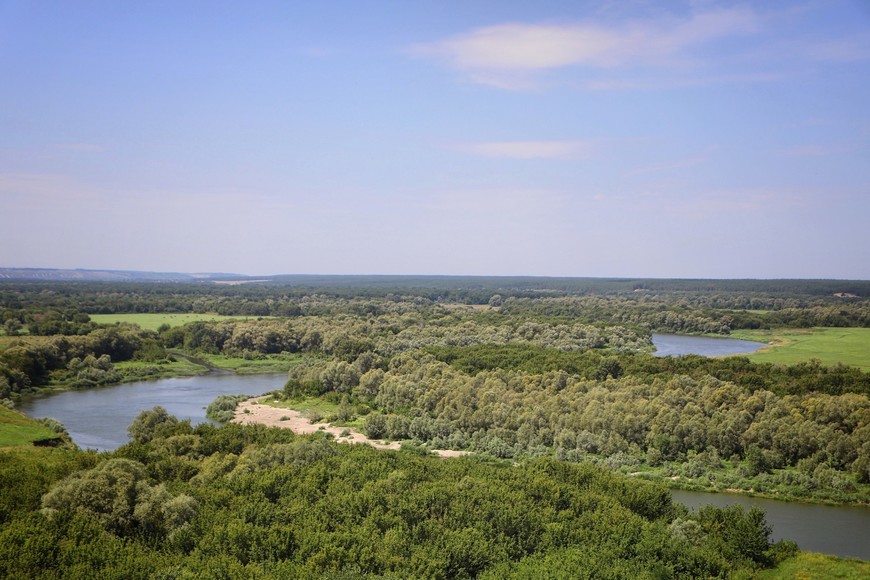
(16, 429)
(849, 346)
(154, 321)
(811, 566)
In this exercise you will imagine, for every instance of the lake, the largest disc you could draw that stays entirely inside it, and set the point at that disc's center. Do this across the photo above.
(98, 418)
(838, 530)
(678, 345)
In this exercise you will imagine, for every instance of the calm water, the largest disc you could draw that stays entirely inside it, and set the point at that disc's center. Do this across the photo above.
(678, 345)
(98, 418)
(842, 531)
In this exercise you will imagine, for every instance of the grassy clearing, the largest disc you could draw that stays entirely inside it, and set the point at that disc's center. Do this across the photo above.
(810, 566)
(309, 404)
(18, 429)
(849, 346)
(243, 366)
(154, 321)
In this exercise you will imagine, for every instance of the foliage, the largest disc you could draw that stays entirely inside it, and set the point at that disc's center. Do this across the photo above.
(550, 375)
(150, 424)
(671, 420)
(117, 494)
(223, 408)
(264, 503)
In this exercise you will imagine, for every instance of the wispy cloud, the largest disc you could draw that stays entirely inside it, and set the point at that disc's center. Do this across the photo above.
(528, 149)
(511, 55)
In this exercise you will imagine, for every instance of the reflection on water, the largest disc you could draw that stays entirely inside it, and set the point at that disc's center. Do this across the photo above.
(98, 418)
(678, 345)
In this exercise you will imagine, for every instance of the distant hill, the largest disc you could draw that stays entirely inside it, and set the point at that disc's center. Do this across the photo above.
(52, 274)
(516, 285)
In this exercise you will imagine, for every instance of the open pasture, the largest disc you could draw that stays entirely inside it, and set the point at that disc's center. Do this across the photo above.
(850, 346)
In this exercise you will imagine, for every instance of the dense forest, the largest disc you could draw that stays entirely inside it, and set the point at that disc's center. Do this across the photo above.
(247, 501)
(551, 383)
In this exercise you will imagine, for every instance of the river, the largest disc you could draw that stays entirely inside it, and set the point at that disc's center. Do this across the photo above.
(839, 530)
(678, 345)
(98, 418)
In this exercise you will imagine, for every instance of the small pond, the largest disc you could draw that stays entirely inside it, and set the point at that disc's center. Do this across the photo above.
(679, 345)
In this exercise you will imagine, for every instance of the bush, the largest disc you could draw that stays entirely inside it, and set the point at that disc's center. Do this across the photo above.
(223, 409)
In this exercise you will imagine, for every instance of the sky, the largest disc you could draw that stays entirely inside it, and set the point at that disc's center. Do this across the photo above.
(621, 138)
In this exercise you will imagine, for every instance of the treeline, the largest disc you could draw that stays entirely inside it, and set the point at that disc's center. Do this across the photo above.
(246, 501)
(799, 378)
(624, 420)
(285, 296)
(693, 315)
(80, 361)
(87, 360)
(347, 337)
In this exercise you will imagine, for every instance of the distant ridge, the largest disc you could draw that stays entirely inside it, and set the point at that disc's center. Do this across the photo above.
(346, 284)
(60, 275)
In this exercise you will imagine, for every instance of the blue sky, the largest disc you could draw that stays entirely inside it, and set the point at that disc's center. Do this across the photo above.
(576, 138)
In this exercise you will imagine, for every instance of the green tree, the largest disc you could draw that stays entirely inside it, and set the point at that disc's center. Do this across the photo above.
(150, 424)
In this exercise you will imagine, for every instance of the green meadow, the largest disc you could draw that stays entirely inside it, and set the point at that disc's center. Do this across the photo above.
(810, 566)
(149, 321)
(850, 346)
(16, 429)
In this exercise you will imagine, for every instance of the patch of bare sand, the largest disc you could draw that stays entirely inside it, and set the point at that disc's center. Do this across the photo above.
(253, 411)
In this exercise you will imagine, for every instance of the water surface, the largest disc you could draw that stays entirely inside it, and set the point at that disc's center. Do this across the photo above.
(98, 418)
(679, 345)
(839, 530)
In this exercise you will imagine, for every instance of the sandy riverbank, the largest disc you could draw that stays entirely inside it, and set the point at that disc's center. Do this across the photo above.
(253, 411)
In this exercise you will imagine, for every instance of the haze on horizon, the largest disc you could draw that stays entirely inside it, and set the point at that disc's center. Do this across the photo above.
(695, 139)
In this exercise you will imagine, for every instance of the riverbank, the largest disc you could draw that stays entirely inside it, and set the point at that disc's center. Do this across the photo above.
(728, 478)
(177, 365)
(830, 345)
(255, 411)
